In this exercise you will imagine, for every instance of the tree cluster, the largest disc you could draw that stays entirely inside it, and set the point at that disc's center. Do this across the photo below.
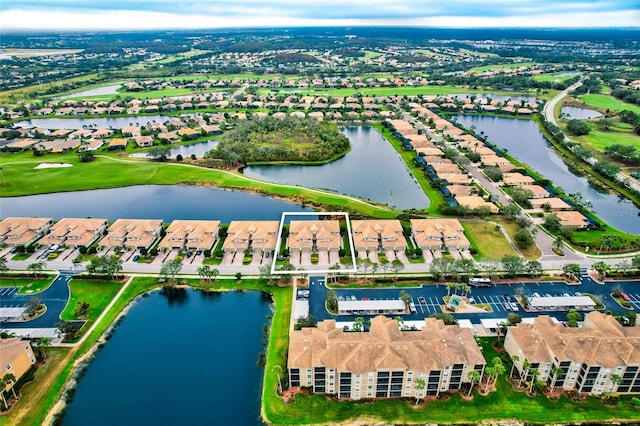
(274, 140)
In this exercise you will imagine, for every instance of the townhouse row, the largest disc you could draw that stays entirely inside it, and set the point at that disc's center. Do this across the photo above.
(247, 236)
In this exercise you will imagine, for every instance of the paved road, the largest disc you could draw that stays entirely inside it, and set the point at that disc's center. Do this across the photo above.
(551, 104)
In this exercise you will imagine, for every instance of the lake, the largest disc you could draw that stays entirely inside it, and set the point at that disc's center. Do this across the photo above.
(579, 113)
(197, 149)
(97, 122)
(524, 141)
(104, 90)
(371, 170)
(176, 360)
(151, 202)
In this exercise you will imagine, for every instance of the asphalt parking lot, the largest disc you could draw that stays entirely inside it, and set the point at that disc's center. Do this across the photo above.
(55, 297)
(429, 297)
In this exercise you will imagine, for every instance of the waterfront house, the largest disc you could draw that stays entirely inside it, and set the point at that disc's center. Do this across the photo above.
(435, 234)
(17, 358)
(191, 235)
(256, 236)
(383, 362)
(378, 235)
(582, 359)
(117, 143)
(75, 232)
(475, 202)
(553, 204)
(22, 231)
(133, 233)
(314, 235)
(572, 219)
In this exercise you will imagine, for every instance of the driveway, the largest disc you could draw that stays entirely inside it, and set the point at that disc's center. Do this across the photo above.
(323, 257)
(391, 255)
(305, 258)
(227, 259)
(373, 256)
(402, 256)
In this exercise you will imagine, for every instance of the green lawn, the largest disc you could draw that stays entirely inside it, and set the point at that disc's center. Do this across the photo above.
(487, 240)
(434, 195)
(97, 293)
(605, 102)
(109, 172)
(600, 139)
(529, 253)
(28, 285)
(552, 77)
(500, 67)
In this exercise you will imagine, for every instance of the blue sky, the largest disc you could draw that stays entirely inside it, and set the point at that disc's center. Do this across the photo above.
(179, 14)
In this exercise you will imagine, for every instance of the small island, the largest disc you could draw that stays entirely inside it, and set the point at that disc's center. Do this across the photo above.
(289, 140)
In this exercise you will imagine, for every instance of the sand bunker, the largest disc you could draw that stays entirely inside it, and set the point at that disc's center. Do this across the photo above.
(52, 165)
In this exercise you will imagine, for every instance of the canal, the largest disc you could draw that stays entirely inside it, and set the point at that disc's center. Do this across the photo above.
(371, 170)
(177, 359)
(525, 142)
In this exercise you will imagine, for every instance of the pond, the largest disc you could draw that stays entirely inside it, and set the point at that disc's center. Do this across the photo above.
(177, 359)
(197, 149)
(151, 202)
(104, 90)
(579, 113)
(524, 141)
(371, 170)
(94, 123)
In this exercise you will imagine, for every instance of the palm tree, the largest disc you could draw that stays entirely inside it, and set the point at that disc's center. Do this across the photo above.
(214, 274)
(277, 369)
(555, 371)
(358, 324)
(616, 380)
(534, 377)
(514, 360)
(420, 385)
(525, 371)
(558, 242)
(41, 344)
(488, 373)
(474, 376)
(10, 379)
(3, 384)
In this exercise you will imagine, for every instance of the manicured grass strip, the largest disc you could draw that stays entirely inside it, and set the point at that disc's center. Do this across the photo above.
(434, 195)
(97, 293)
(487, 240)
(28, 285)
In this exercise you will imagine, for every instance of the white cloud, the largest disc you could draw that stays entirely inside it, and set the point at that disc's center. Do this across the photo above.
(242, 16)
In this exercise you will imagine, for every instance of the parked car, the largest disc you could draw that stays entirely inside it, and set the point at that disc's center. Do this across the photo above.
(577, 293)
(514, 306)
(625, 297)
(412, 306)
(422, 300)
(135, 258)
(536, 294)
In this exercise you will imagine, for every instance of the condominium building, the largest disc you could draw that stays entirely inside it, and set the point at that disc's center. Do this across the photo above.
(435, 234)
(16, 231)
(254, 236)
(75, 232)
(601, 356)
(135, 233)
(383, 362)
(314, 235)
(191, 235)
(17, 357)
(378, 235)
